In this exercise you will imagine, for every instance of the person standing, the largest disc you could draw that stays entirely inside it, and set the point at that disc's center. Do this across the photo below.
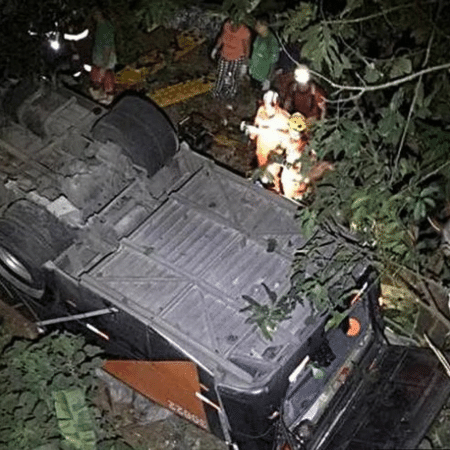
(233, 47)
(300, 169)
(270, 127)
(103, 59)
(269, 131)
(265, 53)
(294, 182)
(299, 93)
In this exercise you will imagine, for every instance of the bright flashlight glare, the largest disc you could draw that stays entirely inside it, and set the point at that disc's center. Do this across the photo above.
(301, 74)
(55, 45)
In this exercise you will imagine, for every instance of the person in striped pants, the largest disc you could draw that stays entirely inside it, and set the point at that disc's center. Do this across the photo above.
(233, 48)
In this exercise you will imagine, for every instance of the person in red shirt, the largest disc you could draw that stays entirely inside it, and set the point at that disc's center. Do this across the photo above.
(299, 93)
(233, 47)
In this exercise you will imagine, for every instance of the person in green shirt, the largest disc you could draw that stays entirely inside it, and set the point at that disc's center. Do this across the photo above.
(104, 53)
(265, 52)
(103, 59)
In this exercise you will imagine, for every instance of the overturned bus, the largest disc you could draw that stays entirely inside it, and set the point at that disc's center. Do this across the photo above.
(112, 228)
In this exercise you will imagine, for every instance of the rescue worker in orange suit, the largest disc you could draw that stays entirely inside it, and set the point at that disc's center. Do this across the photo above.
(299, 93)
(300, 169)
(293, 183)
(270, 130)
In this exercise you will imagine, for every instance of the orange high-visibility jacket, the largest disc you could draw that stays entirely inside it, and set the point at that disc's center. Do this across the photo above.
(293, 182)
(274, 131)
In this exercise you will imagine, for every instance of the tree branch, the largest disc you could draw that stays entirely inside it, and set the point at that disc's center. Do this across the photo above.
(353, 98)
(371, 16)
(363, 89)
(413, 103)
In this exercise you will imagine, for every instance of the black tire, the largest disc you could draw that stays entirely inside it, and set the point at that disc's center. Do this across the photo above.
(141, 130)
(29, 236)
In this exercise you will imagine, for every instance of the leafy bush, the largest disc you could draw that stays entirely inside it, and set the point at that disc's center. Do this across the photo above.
(33, 374)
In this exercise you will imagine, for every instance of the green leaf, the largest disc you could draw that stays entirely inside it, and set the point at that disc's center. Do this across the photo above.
(313, 40)
(308, 222)
(400, 66)
(251, 300)
(335, 320)
(53, 446)
(430, 190)
(388, 125)
(267, 333)
(419, 211)
(389, 228)
(326, 35)
(420, 95)
(346, 64)
(74, 419)
(354, 4)
(359, 201)
(41, 409)
(371, 74)
(92, 350)
(336, 64)
(397, 100)
(406, 166)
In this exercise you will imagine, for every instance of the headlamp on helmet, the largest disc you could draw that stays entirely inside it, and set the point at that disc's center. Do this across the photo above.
(302, 75)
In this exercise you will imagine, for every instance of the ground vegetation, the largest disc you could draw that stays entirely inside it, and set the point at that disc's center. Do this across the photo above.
(48, 394)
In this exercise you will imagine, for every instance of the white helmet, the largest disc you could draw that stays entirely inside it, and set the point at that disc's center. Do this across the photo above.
(270, 98)
(301, 74)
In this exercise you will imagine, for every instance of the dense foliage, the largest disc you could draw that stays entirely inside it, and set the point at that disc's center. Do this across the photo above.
(36, 379)
(385, 67)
